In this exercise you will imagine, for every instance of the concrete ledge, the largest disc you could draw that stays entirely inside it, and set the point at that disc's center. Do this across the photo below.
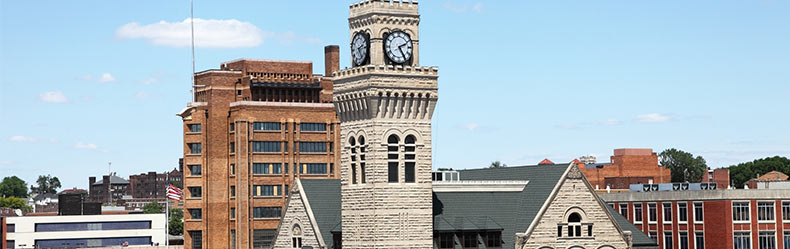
(479, 186)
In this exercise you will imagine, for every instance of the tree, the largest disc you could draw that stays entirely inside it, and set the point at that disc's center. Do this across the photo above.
(497, 164)
(46, 185)
(176, 223)
(14, 203)
(743, 172)
(152, 208)
(685, 167)
(13, 186)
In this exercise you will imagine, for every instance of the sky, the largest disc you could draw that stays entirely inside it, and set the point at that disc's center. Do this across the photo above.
(85, 83)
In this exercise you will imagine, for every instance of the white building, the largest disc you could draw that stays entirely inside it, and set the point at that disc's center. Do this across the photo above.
(85, 230)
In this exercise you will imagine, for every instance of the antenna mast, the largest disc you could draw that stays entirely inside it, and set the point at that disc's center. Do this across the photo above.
(192, 27)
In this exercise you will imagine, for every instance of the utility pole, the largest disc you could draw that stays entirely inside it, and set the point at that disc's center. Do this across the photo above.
(109, 183)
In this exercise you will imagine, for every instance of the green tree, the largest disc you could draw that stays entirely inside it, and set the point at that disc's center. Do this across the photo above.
(497, 164)
(176, 223)
(15, 203)
(13, 186)
(743, 172)
(152, 208)
(685, 167)
(46, 185)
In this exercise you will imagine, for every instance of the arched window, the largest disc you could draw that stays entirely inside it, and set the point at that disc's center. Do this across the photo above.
(573, 225)
(362, 150)
(353, 144)
(409, 158)
(296, 236)
(392, 158)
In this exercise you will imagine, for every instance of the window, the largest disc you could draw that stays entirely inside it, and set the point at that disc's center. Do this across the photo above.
(742, 240)
(352, 142)
(409, 172)
(362, 150)
(266, 126)
(238, 92)
(10, 244)
(232, 191)
(195, 148)
(786, 211)
(446, 240)
(470, 240)
(765, 211)
(296, 239)
(698, 216)
(494, 239)
(651, 213)
(682, 212)
(638, 213)
(11, 228)
(195, 192)
(624, 209)
(100, 242)
(392, 172)
(668, 240)
(653, 235)
(194, 127)
(409, 157)
(258, 146)
(195, 213)
(740, 211)
(699, 240)
(233, 239)
(766, 240)
(195, 170)
(266, 190)
(232, 147)
(86, 226)
(262, 238)
(683, 240)
(232, 169)
(266, 212)
(267, 168)
(392, 155)
(611, 205)
(574, 225)
(313, 168)
(232, 213)
(787, 240)
(667, 208)
(312, 127)
(232, 127)
(312, 147)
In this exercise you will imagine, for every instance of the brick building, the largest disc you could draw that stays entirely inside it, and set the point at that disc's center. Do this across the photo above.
(254, 126)
(109, 185)
(765, 180)
(734, 218)
(627, 166)
(719, 176)
(153, 185)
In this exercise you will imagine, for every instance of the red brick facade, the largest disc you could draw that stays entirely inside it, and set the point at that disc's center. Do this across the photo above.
(719, 176)
(628, 166)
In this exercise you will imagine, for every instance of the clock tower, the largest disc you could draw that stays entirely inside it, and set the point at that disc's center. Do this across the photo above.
(385, 102)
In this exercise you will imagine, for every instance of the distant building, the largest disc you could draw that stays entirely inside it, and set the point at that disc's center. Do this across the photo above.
(78, 231)
(770, 180)
(627, 166)
(587, 159)
(43, 202)
(148, 187)
(719, 176)
(109, 185)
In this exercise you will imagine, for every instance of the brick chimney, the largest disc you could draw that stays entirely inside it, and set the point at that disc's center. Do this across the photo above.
(331, 59)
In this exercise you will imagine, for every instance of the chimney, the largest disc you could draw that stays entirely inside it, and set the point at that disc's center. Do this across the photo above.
(331, 59)
(91, 181)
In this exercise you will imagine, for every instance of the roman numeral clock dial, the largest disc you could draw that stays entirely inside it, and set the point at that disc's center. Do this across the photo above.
(359, 49)
(398, 47)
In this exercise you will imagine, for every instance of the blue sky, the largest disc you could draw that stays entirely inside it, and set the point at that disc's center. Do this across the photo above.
(87, 82)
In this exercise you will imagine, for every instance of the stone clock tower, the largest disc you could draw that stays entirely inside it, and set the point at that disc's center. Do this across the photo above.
(385, 103)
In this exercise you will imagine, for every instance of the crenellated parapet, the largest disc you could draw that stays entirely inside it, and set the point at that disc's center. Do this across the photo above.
(386, 69)
(402, 7)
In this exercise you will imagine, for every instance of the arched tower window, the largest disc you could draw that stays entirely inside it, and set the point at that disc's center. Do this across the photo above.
(573, 225)
(409, 157)
(392, 158)
(296, 236)
(362, 150)
(353, 144)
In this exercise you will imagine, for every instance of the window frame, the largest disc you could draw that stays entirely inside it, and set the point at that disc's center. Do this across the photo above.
(683, 216)
(263, 145)
(192, 131)
(786, 211)
(192, 171)
(192, 193)
(741, 216)
(263, 210)
(766, 240)
(771, 212)
(681, 238)
(664, 210)
(701, 213)
(741, 235)
(620, 206)
(638, 214)
(652, 215)
(697, 236)
(192, 149)
(192, 216)
(668, 235)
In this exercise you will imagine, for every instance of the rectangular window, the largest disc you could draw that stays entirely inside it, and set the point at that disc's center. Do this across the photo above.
(742, 240)
(266, 190)
(667, 208)
(765, 211)
(683, 240)
(312, 147)
(232, 147)
(787, 240)
(470, 240)
(786, 211)
(11, 228)
(270, 147)
(195, 148)
(232, 169)
(638, 213)
(611, 205)
(682, 212)
(353, 173)
(232, 127)
(312, 127)
(262, 238)
(494, 239)
(232, 239)
(195, 170)
(362, 171)
(197, 239)
(267, 168)
(392, 172)
(624, 209)
(653, 235)
(195, 213)
(446, 240)
(92, 242)
(266, 212)
(86, 226)
(195, 192)
(266, 126)
(331, 168)
(699, 240)
(194, 127)
(668, 240)
(652, 215)
(232, 213)
(232, 191)
(409, 172)
(766, 240)
(698, 216)
(740, 211)
(313, 168)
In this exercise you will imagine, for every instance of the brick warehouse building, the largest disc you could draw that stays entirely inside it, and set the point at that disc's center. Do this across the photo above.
(254, 125)
(734, 218)
(627, 166)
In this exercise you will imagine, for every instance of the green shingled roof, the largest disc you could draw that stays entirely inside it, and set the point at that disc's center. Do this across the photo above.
(324, 198)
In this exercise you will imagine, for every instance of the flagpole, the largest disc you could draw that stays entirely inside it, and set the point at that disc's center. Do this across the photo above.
(167, 211)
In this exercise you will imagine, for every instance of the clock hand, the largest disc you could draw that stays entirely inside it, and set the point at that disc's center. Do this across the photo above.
(401, 50)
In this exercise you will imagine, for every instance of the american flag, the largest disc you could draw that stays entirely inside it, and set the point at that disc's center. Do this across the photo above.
(174, 193)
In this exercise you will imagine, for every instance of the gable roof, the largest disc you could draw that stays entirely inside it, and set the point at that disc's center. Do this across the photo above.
(324, 198)
(113, 180)
(772, 176)
(545, 161)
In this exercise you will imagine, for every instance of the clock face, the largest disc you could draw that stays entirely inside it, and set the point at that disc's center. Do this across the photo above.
(398, 47)
(359, 49)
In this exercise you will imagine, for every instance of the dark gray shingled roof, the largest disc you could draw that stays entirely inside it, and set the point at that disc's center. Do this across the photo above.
(324, 198)
(113, 180)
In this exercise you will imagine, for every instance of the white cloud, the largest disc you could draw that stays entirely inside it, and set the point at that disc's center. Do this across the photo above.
(464, 7)
(149, 81)
(106, 77)
(652, 118)
(53, 97)
(22, 139)
(470, 126)
(141, 95)
(89, 146)
(610, 121)
(209, 33)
